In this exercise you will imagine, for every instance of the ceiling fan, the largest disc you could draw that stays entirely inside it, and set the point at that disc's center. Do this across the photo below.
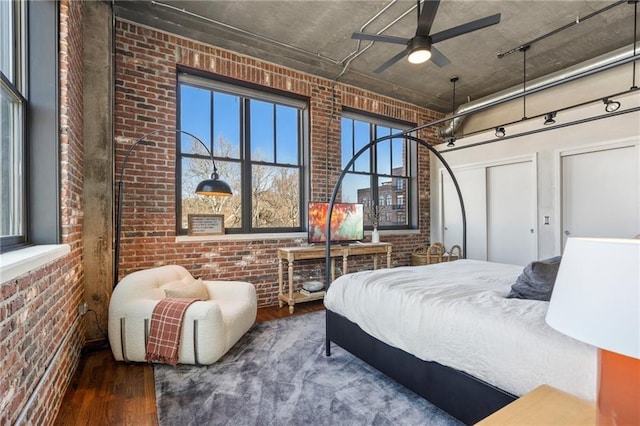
(420, 48)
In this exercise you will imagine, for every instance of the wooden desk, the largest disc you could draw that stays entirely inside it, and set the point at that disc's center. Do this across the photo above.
(545, 405)
(291, 254)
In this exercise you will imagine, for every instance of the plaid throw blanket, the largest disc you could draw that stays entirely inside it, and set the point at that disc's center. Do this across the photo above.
(166, 325)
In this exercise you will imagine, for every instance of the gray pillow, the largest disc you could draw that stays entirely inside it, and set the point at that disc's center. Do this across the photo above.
(537, 280)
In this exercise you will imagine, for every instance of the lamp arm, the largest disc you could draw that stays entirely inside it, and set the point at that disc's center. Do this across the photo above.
(336, 188)
(141, 141)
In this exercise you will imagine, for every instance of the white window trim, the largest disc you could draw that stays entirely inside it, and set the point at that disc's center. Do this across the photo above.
(19, 262)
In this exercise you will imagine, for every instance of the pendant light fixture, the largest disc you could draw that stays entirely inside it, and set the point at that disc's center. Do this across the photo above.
(452, 138)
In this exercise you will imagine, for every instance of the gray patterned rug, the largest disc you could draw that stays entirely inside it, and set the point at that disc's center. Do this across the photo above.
(277, 374)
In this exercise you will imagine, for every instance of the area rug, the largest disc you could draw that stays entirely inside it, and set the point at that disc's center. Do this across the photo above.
(278, 374)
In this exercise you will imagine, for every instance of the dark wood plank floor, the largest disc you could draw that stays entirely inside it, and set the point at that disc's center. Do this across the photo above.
(106, 392)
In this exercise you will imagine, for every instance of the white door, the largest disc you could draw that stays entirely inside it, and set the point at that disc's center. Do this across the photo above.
(600, 193)
(472, 185)
(511, 206)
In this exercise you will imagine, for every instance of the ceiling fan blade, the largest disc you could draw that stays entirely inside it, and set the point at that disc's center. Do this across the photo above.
(465, 28)
(428, 14)
(380, 37)
(390, 62)
(438, 58)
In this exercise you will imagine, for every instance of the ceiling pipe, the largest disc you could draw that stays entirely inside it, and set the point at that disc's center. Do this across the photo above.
(566, 74)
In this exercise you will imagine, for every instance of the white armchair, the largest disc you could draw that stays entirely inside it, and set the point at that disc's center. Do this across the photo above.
(209, 329)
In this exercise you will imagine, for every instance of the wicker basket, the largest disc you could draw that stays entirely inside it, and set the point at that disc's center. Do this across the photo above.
(419, 256)
(427, 255)
(454, 254)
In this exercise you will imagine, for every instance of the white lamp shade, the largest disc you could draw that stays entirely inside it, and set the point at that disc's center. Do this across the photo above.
(596, 296)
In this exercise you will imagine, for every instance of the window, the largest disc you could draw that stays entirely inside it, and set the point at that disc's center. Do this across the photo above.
(29, 124)
(385, 172)
(259, 143)
(12, 124)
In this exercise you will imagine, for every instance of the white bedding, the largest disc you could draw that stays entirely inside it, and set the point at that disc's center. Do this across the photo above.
(456, 314)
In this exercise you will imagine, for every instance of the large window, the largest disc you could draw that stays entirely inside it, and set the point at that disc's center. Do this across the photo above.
(384, 173)
(259, 144)
(12, 123)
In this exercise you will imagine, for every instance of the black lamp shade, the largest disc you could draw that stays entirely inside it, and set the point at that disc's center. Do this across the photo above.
(214, 187)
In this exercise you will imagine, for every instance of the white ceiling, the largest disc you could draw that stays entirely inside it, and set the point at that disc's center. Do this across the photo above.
(315, 36)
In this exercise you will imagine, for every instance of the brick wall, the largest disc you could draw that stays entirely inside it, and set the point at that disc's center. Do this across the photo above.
(146, 66)
(40, 332)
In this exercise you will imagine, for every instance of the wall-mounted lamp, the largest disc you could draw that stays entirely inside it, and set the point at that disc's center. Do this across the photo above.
(549, 118)
(609, 105)
(419, 50)
(500, 132)
(209, 187)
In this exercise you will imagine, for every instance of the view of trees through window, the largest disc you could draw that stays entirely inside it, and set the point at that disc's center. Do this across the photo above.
(257, 145)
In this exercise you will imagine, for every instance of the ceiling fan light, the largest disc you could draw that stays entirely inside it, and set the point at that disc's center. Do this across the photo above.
(419, 50)
(419, 56)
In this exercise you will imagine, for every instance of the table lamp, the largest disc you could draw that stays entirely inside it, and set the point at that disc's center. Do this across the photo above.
(596, 299)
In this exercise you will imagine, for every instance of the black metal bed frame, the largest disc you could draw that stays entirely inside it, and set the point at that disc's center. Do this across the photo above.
(463, 396)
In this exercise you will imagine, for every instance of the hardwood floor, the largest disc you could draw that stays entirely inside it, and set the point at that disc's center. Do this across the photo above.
(106, 392)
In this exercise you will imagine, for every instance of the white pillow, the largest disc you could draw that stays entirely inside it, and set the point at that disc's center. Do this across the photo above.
(179, 290)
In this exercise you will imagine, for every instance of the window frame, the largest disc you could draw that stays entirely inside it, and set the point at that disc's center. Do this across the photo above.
(247, 93)
(411, 173)
(40, 26)
(15, 86)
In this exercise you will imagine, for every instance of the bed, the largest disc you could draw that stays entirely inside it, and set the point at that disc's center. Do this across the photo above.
(448, 332)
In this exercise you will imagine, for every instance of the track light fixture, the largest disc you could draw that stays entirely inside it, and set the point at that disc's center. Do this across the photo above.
(549, 118)
(500, 132)
(610, 106)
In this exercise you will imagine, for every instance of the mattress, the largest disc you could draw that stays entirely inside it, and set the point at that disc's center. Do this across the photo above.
(456, 314)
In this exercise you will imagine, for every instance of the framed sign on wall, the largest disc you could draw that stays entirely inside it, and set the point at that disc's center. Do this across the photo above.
(205, 224)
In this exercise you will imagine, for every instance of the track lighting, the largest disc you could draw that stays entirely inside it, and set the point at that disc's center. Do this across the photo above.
(452, 142)
(610, 106)
(549, 118)
(500, 132)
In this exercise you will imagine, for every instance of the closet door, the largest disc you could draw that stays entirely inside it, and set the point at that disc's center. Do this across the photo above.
(600, 193)
(511, 207)
(472, 185)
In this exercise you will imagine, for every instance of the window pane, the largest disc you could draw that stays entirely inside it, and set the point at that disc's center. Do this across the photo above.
(347, 141)
(275, 199)
(226, 125)
(362, 136)
(398, 155)
(287, 135)
(383, 152)
(7, 39)
(356, 188)
(194, 170)
(262, 131)
(398, 212)
(12, 162)
(195, 116)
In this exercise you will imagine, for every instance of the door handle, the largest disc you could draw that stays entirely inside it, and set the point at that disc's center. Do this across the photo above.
(531, 230)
